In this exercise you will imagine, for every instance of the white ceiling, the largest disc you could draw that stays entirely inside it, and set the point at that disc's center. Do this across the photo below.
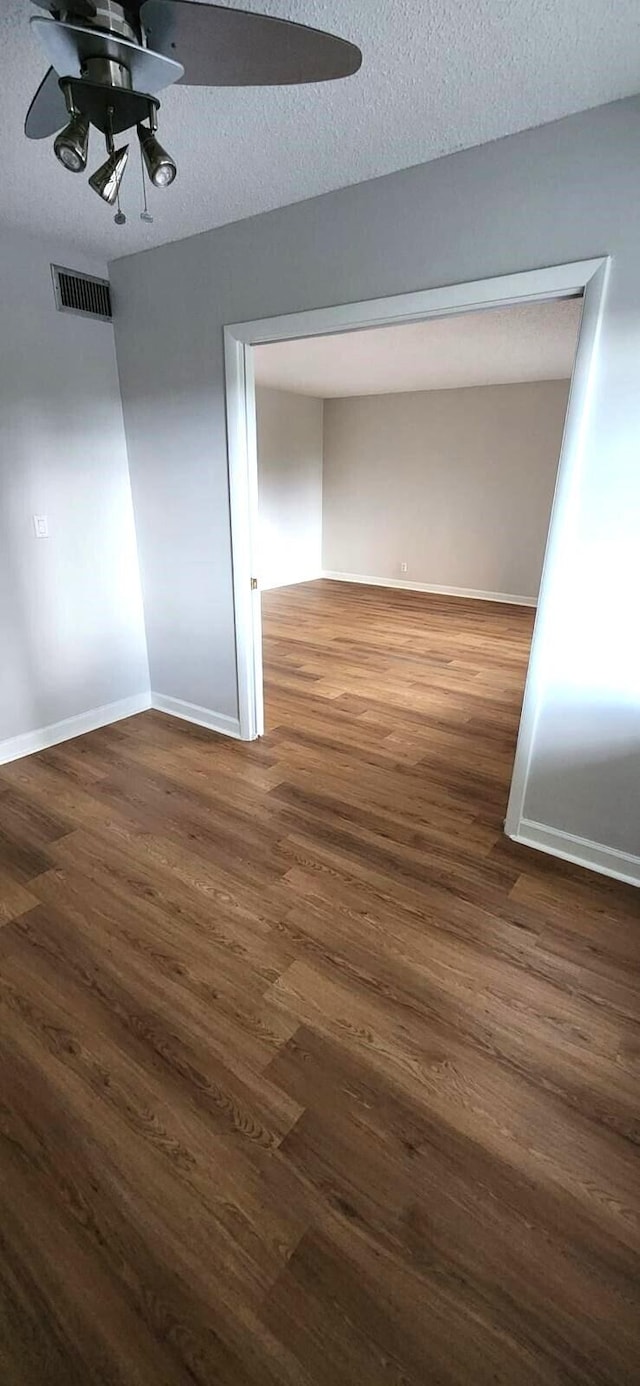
(438, 75)
(534, 341)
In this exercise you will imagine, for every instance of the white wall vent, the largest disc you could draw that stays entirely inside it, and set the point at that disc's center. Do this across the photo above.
(81, 293)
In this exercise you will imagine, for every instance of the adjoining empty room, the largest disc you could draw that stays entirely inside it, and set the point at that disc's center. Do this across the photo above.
(406, 477)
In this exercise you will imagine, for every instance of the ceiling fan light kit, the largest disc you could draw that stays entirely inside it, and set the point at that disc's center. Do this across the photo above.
(109, 60)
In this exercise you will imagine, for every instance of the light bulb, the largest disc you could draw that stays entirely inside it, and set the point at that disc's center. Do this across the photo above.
(158, 163)
(71, 144)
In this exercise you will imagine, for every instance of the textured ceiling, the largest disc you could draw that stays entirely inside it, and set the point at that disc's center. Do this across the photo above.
(534, 341)
(438, 75)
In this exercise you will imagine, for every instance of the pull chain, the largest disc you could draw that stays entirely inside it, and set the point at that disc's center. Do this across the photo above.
(120, 217)
(145, 215)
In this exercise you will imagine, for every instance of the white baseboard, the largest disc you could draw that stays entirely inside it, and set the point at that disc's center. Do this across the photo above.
(623, 866)
(291, 582)
(29, 742)
(431, 587)
(201, 716)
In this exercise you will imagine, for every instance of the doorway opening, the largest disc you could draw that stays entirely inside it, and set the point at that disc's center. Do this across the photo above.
(472, 549)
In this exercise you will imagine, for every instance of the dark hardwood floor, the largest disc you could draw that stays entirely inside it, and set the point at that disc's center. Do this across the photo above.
(307, 1074)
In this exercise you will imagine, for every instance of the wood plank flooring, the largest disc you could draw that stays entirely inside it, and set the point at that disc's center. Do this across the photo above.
(308, 1076)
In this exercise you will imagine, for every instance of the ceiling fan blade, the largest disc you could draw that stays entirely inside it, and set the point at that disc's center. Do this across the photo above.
(220, 47)
(47, 112)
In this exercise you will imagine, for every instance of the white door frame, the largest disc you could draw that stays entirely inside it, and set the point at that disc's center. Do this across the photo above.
(558, 281)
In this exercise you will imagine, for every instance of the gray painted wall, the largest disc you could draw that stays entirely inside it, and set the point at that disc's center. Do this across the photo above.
(71, 623)
(566, 191)
(456, 483)
(289, 431)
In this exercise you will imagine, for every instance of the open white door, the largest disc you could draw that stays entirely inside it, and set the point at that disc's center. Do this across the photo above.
(243, 488)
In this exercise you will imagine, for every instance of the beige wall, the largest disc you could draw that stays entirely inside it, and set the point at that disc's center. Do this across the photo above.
(289, 487)
(456, 483)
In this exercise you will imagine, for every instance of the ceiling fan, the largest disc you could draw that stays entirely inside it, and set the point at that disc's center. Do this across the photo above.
(110, 58)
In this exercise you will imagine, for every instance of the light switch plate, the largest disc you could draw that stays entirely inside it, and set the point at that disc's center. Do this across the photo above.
(41, 526)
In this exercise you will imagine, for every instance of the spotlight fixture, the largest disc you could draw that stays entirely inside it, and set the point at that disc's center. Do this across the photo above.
(107, 179)
(158, 163)
(72, 143)
(109, 59)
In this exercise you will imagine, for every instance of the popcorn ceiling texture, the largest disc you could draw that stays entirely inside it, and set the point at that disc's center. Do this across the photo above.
(532, 341)
(437, 76)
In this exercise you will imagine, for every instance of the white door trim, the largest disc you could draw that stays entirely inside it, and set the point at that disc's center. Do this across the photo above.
(557, 281)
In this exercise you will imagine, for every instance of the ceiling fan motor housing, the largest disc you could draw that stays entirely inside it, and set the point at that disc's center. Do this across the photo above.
(108, 15)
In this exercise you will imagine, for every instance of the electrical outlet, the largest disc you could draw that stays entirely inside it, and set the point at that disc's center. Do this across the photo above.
(41, 526)
(404, 568)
